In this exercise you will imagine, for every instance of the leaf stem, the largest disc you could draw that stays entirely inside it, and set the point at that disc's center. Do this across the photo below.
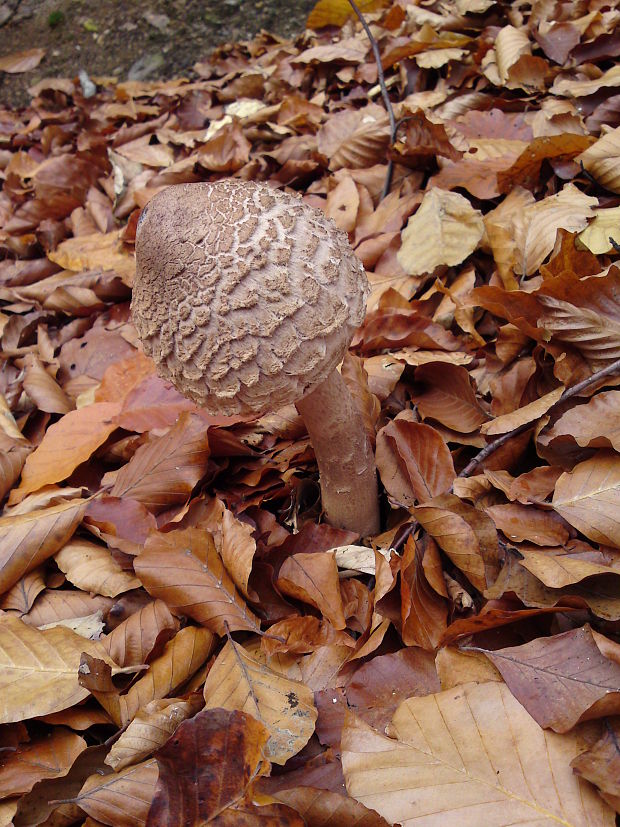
(384, 92)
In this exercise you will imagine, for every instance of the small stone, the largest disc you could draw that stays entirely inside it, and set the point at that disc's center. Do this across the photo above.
(158, 21)
(146, 66)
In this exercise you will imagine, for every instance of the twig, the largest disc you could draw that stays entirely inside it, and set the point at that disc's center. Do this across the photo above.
(489, 449)
(384, 92)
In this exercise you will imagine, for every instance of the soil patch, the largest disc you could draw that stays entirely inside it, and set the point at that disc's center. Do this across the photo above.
(149, 40)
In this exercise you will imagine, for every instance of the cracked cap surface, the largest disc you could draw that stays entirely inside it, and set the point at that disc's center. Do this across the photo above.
(245, 297)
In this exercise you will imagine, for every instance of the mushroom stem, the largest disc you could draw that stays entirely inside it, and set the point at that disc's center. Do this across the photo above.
(344, 455)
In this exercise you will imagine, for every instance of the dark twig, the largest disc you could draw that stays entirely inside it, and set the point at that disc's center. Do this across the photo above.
(614, 244)
(489, 449)
(384, 92)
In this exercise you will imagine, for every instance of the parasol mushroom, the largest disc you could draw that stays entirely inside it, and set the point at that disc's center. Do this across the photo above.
(247, 299)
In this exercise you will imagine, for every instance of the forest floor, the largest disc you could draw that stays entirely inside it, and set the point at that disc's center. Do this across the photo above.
(149, 40)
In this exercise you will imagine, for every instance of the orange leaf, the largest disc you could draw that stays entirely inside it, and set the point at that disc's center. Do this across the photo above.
(66, 444)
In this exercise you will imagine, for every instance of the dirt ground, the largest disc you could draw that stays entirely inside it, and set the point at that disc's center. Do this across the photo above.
(137, 39)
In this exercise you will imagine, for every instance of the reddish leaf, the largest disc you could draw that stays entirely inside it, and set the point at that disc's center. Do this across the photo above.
(207, 765)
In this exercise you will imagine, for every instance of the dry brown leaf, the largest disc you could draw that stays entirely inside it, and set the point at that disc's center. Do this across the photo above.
(413, 461)
(456, 667)
(601, 160)
(22, 595)
(322, 808)
(284, 707)
(522, 522)
(301, 635)
(584, 314)
(355, 139)
(207, 768)
(21, 61)
(588, 498)
(594, 425)
(43, 389)
(466, 534)
(510, 44)
(600, 764)
(48, 757)
(336, 12)
(535, 229)
(120, 799)
(528, 413)
(444, 230)
(424, 613)
(599, 234)
(66, 444)
(181, 658)
(132, 641)
(561, 569)
(93, 569)
(447, 396)
(469, 753)
(164, 472)
(150, 729)
(183, 569)
(561, 680)
(27, 540)
(97, 251)
(39, 670)
(313, 578)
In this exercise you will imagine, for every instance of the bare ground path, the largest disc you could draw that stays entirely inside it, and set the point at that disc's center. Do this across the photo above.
(140, 39)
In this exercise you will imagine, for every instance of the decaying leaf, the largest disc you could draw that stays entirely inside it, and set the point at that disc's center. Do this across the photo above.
(284, 707)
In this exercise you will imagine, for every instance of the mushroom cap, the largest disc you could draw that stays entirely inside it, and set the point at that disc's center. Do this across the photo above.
(245, 297)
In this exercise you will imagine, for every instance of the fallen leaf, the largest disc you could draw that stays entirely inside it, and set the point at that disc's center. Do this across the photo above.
(39, 670)
(120, 799)
(21, 61)
(313, 578)
(66, 444)
(284, 707)
(601, 763)
(444, 230)
(149, 730)
(413, 461)
(183, 569)
(27, 540)
(561, 680)
(93, 569)
(164, 471)
(588, 498)
(512, 771)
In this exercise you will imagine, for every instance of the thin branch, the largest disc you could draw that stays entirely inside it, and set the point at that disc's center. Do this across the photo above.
(489, 449)
(384, 92)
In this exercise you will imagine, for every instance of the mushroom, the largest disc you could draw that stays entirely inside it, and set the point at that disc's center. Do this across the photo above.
(247, 299)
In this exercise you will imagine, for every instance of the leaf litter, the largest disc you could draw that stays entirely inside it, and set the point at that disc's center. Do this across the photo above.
(176, 618)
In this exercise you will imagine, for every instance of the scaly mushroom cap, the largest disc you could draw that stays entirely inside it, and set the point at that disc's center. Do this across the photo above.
(245, 297)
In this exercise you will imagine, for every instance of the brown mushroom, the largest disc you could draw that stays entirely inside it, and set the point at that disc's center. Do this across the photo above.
(247, 299)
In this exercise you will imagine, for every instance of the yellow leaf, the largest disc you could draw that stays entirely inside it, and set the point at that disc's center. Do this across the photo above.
(444, 230)
(284, 706)
(596, 236)
(39, 670)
